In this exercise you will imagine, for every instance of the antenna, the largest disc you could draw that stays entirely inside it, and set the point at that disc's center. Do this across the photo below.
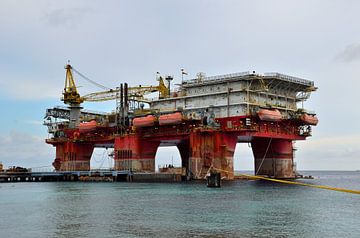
(183, 72)
(169, 79)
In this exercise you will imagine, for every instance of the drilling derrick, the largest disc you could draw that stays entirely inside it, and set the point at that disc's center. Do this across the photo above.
(204, 118)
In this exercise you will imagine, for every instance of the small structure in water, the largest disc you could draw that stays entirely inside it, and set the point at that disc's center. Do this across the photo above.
(213, 179)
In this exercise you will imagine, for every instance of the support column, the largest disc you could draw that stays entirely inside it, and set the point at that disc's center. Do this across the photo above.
(135, 153)
(59, 157)
(72, 156)
(184, 150)
(273, 157)
(212, 149)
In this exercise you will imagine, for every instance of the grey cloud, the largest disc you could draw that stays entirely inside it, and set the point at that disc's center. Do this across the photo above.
(334, 153)
(350, 53)
(21, 149)
(66, 17)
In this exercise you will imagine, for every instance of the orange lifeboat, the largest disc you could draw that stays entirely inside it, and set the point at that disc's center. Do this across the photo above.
(309, 119)
(269, 115)
(144, 121)
(87, 126)
(171, 119)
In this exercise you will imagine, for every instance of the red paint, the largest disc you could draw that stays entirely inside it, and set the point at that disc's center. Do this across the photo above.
(211, 149)
(200, 147)
(131, 148)
(72, 156)
(273, 157)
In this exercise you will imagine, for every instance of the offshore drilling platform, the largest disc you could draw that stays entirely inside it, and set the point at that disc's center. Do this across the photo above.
(204, 117)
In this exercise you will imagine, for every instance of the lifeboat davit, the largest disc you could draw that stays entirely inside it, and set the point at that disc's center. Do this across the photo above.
(87, 126)
(269, 115)
(144, 121)
(309, 119)
(171, 119)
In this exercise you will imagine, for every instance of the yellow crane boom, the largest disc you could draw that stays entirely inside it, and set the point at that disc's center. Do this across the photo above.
(136, 93)
(70, 95)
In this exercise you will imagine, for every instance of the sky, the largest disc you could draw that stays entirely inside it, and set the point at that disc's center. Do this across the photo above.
(113, 42)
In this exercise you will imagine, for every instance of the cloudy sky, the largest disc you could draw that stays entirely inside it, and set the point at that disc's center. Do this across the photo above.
(129, 41)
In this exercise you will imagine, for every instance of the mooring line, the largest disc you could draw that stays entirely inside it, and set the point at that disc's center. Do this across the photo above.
(262, 161)
(294, 183)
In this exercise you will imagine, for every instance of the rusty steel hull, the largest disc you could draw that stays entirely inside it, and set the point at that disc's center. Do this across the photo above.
(201, 148)
(133, 152)
(273, 157)
(212, 149)
(71, 156)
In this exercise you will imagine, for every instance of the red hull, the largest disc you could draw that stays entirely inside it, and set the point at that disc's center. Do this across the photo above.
(201, 148)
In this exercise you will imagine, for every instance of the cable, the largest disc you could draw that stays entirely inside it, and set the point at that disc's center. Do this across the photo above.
(110, 159)
(91, 81)
(102, 163)
(264, 157)
(102, 157)
(294, 183)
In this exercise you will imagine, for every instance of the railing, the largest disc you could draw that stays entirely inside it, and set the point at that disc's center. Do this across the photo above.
(218, 77)
(83, 110)
(289, 78)
(48, 168)
(284, 77)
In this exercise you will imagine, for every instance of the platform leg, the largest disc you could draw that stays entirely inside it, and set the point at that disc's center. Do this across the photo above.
(273, 157)
(72, 156)
(212, 150)
(135, 153)
(184, 150)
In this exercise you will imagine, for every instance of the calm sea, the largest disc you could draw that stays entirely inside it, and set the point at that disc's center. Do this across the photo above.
(237, 209)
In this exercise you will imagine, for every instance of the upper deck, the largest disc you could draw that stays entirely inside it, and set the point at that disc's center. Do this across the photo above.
(238, 94)
(269, 79)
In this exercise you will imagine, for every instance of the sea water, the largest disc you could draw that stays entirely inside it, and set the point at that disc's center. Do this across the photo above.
(237, 209)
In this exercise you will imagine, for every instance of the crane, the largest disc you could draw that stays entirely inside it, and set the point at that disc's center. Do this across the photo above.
(71, 95)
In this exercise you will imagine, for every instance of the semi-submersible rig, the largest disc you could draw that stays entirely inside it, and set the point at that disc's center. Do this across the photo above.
(204, 117)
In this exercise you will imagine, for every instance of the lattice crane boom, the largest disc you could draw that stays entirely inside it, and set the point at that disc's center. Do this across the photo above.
(71, 95)
(136, 93)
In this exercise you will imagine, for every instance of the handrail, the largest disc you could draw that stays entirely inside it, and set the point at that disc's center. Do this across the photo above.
(219, 77)
(289, 78)
(280, 76)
